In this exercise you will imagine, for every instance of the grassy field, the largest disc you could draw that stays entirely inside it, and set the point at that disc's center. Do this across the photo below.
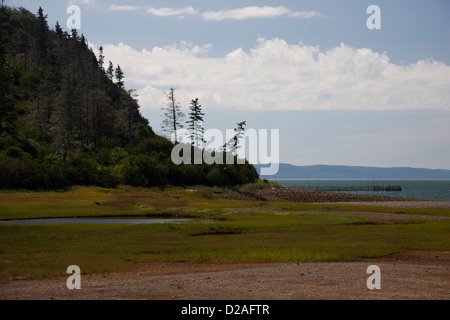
(262, 232)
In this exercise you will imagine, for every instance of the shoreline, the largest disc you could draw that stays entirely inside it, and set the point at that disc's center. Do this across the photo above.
(290, 194)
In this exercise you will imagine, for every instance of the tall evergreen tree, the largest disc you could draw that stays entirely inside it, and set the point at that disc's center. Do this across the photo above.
(239, 131)
(101, 57)
(9, 110)
(173, 115)
(74, 34)
(119, 77)
(196, 123)
(6, 104)
(42, 33)
(83, 41)
(110, 71)
(58, 30)
(233, 144)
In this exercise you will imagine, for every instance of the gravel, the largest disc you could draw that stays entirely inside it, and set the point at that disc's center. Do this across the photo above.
(426, 276)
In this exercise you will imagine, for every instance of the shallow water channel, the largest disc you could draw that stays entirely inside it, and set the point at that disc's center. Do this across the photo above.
(96, 220)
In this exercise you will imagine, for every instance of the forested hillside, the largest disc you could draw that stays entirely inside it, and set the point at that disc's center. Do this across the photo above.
(66, 117)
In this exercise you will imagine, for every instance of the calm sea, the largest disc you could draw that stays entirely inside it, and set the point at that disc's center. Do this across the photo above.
(419, 189)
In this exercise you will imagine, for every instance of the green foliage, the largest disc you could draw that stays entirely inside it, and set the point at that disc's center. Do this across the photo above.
(196, 123)
(217, 177)
(63, 121)
(119, 77)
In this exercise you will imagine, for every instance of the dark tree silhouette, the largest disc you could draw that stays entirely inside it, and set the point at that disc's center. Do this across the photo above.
(173, 115)
(196, 123)
(119, 77)
(110, 71)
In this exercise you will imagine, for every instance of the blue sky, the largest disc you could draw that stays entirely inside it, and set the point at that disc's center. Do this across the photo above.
(338, 92)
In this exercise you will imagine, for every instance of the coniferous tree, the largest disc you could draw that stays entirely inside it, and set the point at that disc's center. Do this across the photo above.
(101, 57)
(9, 110)
(42, 33)
(133, 96)
(6, 103)
(119, 77)
(173, 115)
(58, 30)
(239, 131)
(233, 144)
(83, 41)
(74, 34)
(196, 123)
(63, 122)
(110, 71)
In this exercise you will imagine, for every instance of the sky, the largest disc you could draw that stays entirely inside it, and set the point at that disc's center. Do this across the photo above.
(339, 92)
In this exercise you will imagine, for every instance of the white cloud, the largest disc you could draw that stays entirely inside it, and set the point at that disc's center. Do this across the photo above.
(276, 75)
(86, 2)
(305, 14)
(165, 12)
(245, 13)
(114, 7)
(231, 14)
(255, 12)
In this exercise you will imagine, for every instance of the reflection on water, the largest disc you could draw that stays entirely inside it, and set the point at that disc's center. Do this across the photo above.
(96, 220)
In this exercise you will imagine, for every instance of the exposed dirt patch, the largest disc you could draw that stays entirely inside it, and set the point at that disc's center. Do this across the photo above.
(420, 255)
(410, 275)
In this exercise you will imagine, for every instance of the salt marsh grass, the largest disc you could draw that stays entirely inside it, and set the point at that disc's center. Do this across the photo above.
(256, 232)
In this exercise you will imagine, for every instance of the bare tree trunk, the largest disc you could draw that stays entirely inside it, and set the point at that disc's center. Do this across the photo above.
(174, 116)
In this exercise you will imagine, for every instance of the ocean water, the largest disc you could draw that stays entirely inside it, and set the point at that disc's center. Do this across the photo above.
(417, 189)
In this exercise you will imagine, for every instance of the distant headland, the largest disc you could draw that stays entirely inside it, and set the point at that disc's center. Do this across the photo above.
(289, 171)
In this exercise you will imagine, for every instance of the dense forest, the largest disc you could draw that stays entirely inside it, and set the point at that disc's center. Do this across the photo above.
(67, 119)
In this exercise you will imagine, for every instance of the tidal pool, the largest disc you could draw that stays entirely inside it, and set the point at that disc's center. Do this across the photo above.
(96, 220)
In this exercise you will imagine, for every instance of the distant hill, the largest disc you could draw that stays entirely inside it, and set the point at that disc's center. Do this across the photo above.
(288, 171)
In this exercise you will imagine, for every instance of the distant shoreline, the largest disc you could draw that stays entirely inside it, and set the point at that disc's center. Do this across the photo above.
(343, 172)
(423, 189)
